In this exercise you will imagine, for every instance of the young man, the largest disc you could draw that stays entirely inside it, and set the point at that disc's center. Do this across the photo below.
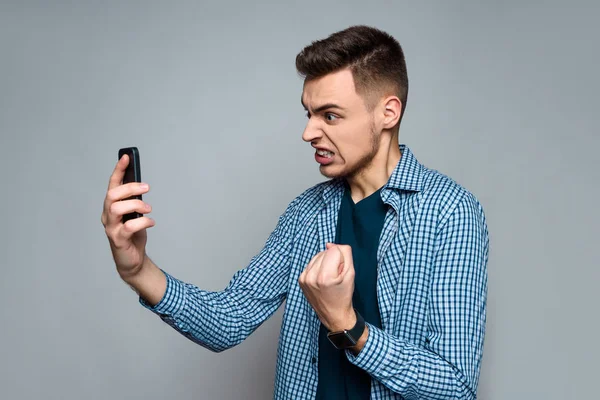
(383, 267)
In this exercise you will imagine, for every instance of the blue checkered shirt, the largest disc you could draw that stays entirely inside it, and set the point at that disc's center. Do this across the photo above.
(431, 291)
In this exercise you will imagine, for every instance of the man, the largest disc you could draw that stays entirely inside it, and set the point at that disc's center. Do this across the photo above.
(383, 267)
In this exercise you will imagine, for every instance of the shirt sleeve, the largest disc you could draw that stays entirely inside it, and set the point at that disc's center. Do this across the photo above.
(218, 320)
(448, 365)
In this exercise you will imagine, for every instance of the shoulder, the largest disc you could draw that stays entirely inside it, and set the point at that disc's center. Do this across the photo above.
(444, 197)
(308, 202)
(311, 197)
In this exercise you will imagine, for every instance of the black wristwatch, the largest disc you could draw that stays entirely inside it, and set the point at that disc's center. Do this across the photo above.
(348, 337)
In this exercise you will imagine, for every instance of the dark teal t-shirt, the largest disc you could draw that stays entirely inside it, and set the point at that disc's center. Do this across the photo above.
(359, 226)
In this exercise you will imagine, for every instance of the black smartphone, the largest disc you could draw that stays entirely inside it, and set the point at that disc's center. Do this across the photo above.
(133, 173)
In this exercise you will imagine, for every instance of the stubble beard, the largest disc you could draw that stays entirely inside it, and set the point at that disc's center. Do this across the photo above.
(362, 164)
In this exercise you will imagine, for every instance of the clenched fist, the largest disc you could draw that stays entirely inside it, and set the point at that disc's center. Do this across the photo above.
(328, 284)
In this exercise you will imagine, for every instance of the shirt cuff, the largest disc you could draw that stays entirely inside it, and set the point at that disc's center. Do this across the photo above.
(172, 301)
(373, 353)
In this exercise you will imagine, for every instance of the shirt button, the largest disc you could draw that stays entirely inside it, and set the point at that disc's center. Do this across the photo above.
(314, 360)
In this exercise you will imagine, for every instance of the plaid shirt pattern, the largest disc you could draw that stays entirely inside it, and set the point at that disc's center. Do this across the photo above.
(431, 290)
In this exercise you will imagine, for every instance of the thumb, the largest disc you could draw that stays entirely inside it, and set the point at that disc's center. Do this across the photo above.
(329, 245)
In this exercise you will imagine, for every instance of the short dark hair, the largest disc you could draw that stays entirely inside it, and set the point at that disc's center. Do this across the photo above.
(374, 57)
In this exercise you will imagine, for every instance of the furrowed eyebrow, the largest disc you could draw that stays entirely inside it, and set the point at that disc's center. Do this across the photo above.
(323, 107)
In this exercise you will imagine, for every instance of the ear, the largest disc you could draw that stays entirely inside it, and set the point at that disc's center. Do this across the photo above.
(392, 108)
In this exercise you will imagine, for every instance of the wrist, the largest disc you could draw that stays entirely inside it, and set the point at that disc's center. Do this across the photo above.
(136, 274)
(361, 342)
(350, 337)
(345, 323)
(150, 283)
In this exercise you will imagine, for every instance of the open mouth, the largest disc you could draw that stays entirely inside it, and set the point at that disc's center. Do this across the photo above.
(324, 157)
(325, 153)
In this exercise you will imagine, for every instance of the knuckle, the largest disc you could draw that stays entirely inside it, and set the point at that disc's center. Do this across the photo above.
(308, 280)
(127, 226)
(113, 208)
(111, 195)
(322, 282)
(110, 233)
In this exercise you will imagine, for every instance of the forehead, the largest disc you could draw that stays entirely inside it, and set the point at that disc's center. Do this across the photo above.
(336, 87)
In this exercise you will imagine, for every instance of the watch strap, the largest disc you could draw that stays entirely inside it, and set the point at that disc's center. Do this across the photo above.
(351, 335)
(358, 329)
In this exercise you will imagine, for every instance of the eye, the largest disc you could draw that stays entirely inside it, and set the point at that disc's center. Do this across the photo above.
(330, 117)
(308, 115)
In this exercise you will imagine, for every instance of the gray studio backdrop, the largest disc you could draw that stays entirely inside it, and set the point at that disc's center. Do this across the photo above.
(503, 98)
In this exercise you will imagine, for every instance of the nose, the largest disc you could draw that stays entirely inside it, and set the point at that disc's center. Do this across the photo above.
(311, 132)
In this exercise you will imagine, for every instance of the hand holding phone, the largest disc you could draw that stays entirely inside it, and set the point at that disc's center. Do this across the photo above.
(127, 241)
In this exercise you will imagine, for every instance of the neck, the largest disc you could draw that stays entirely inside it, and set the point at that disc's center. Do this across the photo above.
(378, 172)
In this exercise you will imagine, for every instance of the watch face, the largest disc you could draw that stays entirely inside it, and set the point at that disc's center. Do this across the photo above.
(341, 340)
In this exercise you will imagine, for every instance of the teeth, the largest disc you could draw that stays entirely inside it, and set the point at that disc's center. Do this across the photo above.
(324, 153)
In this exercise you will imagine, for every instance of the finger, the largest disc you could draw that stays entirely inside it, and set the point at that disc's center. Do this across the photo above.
(313, 271)
(342, 262)
(330, 265)
(126, 190)
(117, 176)
(334, 245)
(123, 192)
(321, 253)
(308, 267)
(347, 269)
(330, 246)
(133, 226)
(120, 208)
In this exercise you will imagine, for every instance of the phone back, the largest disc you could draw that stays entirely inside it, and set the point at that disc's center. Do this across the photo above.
(133, 173)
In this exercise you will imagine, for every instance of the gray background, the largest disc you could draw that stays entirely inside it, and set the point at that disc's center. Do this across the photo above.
(503, 96)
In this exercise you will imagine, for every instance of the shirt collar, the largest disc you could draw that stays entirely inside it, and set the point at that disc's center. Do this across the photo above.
(408, 176)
